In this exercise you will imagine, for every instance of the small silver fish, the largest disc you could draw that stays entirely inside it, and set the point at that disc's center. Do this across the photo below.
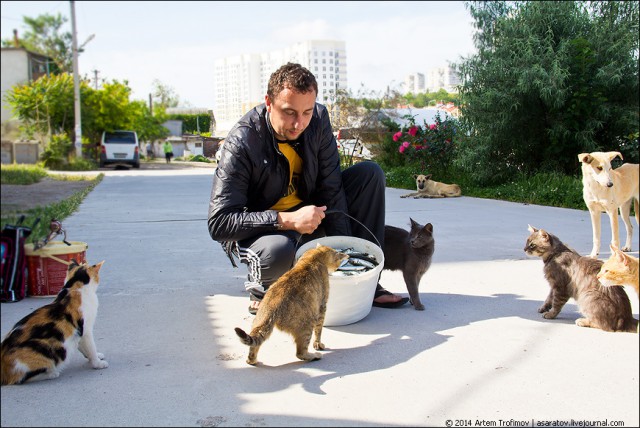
(361, 262)
(344, 273)
(351, 268)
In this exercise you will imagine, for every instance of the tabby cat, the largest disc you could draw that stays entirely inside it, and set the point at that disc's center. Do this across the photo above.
(39, 345)
(572, 275)
(410, 252)
(296, 304)
(619, 269)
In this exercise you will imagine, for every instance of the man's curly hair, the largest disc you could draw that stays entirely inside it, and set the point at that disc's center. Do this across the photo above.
(292, 76)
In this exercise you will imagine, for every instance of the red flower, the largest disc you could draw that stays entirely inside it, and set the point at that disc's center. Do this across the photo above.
(397, 136)
(413, 131)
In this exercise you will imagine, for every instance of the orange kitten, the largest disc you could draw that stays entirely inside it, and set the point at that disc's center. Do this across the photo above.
(619, 269)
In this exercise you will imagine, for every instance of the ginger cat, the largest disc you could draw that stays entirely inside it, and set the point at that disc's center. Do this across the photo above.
(619, 269)
(296, 304)
(39, 344)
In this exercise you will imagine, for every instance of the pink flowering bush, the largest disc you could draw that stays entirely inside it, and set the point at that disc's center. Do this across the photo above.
(427, 147)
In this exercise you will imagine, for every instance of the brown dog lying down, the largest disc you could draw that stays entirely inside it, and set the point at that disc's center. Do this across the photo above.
(428, 188)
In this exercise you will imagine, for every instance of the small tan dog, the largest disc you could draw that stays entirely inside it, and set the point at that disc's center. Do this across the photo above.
(607, 189)
(428, 188)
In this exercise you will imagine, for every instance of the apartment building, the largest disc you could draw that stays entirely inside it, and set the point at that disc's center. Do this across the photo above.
(241, 81)
(442, 78)
(414, 83)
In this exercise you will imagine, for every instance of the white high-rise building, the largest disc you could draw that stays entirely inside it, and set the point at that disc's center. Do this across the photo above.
(237, 85)
(442, 78)
(414, 83)
(241, 81)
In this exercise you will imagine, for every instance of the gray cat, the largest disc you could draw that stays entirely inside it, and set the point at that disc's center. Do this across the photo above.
(571, 275)
(411, 252)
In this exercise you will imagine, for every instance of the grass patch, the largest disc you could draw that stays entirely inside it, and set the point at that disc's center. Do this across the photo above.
(548, 189)
(21, 174)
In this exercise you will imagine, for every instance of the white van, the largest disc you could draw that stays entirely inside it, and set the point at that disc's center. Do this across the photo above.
(120, 147)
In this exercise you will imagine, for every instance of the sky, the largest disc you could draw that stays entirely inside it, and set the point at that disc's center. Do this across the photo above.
(178, 42)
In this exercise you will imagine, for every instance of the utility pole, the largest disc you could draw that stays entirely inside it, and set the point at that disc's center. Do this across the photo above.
(95, 79)
(76, 83)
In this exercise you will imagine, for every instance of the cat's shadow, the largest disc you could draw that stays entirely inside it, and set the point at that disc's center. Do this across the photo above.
(408, 334)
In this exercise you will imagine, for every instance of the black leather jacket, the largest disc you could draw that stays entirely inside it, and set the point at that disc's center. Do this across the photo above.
(253, 175)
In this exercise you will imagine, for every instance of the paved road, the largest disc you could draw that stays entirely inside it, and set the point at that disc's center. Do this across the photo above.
(479, 353)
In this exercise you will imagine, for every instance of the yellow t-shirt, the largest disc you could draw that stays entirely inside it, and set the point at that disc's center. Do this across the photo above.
(295, 171)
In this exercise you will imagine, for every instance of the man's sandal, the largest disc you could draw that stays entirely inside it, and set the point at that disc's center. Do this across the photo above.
(389, 305)
(253, 310)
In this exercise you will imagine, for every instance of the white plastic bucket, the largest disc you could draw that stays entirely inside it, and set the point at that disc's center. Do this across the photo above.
(350, 297)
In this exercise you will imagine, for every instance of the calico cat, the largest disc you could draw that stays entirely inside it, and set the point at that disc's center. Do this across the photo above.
(39, 344)
(572, 275)
(296, 304)
(410, 252)
(619, 269)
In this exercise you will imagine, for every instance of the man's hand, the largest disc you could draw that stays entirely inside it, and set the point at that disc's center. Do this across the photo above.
(305, 220)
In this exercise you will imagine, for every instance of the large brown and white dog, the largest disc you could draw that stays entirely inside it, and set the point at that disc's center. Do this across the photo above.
(428, 188)
(607, 189)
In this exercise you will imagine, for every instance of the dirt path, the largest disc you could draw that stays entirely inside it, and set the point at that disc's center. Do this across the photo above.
(17, 197)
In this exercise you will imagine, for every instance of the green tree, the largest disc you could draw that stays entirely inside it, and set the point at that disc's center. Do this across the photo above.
(46, 106)
(549, 80)
(194, 123)
(44, 35)
(164, 96)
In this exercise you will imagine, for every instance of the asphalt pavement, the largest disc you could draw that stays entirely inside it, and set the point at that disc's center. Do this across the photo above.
(479, 355)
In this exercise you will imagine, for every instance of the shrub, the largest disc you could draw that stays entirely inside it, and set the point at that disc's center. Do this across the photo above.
(426, 148)
(55, 156)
